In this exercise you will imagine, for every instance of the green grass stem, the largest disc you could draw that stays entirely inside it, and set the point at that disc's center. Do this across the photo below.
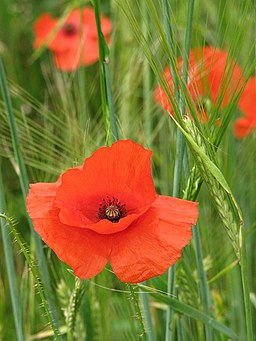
(148, 124)
(35, 274)
(246, 289)
(143, 334)
(180, 146)
(10, 267)
(105, 86)
(190, 311)
(25, 186)
(203, 284)
(108, 107)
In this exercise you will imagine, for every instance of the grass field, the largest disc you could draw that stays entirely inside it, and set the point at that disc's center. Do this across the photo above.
(52, 119)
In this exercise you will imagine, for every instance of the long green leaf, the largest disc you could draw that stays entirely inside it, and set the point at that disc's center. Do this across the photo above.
(25, 186)
(35, 272)
(189, 311)
(9, 259)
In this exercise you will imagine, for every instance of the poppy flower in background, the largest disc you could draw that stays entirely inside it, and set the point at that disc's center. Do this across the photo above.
(211, 76)
(75, 43)
(108, 210)
(247, 105)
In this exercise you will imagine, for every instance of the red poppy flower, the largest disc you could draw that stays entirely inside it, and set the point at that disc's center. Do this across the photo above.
(247, 105)
(108, 209)
(75, 43)
(212, 77)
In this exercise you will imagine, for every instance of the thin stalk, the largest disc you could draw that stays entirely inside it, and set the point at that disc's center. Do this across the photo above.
(24, 183)
(134, 297)
(148, 131)
(171, 284)
(147, 316)
(203, 284)
(180, 146)
(83, 114)
(169, 36)
(111, 126)
(246, 289)
(9, 259)
(224, 271)
(146, 81)
(35, 273)
(105, 86)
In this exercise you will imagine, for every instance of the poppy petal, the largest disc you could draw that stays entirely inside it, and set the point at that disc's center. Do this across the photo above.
(85, 251)
(64, 41)
(248, 98)
(210, 75)
(153, 242)
(243, 127)
(89, 23)
(68, 60)
(43, 27)
(90, 51)
(121, 171)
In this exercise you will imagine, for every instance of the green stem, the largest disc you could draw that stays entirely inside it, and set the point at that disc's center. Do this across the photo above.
(146, 80)
(169, 36)
(148, 131)
(203, 284)
(111, 125)
(24, 183)
(105, 86)
(138, 312)
(180, 144)
(34, 272)
(83, 110)
(147, 316)
(9, 259)
(246, 289)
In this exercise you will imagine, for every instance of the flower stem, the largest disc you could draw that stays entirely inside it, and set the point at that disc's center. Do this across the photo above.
(147, 316)
(203, 282)
(35, 274)
(246, 289)
(148, 132)
(146, 80)
(180, 143)
(111, 125)
(24, 183)
(138, 312)
(204, 288)
(10, 267)
(105, 86)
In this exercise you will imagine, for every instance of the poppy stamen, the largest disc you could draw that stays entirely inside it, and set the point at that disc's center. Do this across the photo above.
(112, 210)
(70, 29)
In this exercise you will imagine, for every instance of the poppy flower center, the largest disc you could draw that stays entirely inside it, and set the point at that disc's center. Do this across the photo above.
(70, 29)
(112, 209)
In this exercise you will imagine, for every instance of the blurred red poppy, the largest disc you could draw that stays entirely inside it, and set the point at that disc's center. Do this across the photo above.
(108, 209)
(212, 80)
(247, 105)
(75, 42)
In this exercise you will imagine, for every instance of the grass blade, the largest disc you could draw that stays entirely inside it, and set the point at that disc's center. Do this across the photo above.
(190, 312)
(34, 271)
(180, 145)
(9, 259)
(24, 186)
(105, 87)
